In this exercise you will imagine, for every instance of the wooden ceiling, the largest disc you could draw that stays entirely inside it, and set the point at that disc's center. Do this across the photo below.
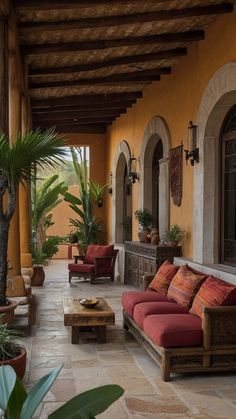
(89, 61)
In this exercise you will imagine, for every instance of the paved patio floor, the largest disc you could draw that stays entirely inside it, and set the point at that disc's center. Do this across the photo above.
(121, 360)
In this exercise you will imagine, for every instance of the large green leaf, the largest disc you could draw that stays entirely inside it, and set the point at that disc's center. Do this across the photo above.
(72, 199)
(7, 383)
(88, 404)
(38, 392)
(16, 400)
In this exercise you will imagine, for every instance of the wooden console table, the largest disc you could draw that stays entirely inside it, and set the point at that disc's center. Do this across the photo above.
(144, 259)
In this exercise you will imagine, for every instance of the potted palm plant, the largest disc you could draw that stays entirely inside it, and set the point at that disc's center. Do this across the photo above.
(173, 236)
(17, 161)
(144, 218)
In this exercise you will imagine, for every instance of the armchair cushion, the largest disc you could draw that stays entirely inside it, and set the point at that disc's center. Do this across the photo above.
(81, 267)
(214, 292)
(95, 250)
(163, 277)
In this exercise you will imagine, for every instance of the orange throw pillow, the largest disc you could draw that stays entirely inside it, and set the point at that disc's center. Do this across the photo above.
(184, 286)
(213, 292)
(163, 277)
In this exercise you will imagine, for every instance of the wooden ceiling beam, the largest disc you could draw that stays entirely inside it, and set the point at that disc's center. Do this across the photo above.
(105, 21)
(70, 4)
(114, 62)
(83, 129)
(60, 47)
(78, 121)
(83, 114)
(100, 80)
(85, 99)
(77, 108)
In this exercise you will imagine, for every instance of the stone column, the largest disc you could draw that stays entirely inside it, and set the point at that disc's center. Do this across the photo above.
(164, 195)
(24, 199)
(14, 130)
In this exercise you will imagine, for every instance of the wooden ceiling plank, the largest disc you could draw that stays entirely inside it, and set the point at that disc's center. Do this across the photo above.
(188, 36)
(77, 122)
(105, 21)
(69, 109)
(83, 114)
(70, 4)
(89, 129)
(113, 62)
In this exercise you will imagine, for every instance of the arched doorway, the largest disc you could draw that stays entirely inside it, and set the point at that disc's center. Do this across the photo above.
(122, 196)
(217, 100)
(154, 172)
(228, 190)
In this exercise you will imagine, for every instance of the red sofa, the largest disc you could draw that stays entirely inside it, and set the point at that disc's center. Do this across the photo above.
(178, 340)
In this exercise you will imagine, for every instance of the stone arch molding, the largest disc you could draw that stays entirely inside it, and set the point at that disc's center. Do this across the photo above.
(219, 96)
(122, 155)
(156, 130)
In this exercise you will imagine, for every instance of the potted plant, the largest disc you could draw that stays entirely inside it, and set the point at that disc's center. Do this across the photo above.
(17, 161)
(11, 352)
(173, 236)
(144, 218)
(15, 402)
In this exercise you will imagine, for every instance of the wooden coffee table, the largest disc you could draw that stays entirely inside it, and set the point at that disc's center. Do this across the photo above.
(79, 317)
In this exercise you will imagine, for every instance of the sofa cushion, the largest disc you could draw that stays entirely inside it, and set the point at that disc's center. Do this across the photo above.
(143, 310)
(174, 330)
(214, 292)
(131, 298)
(184, 286)
(163, 277)
(95, 250)
(80, 267)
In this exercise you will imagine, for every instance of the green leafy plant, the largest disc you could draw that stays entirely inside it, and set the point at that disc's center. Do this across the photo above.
(50, 246)
(96, 192)
(18, 158)
(9, 347)
(144, 218)
(16, 403)
(38, 257)
(174, 234)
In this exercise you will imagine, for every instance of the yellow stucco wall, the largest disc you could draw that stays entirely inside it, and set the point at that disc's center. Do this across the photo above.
(176, 98)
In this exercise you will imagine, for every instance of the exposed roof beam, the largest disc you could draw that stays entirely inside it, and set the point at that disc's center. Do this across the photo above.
(100, 80)
(76, 121)
(82, 114)
(70, 4)
(83, 129)
(114, 62)
(188, 36)
(77, 108)
(96, 22)
(85, 99)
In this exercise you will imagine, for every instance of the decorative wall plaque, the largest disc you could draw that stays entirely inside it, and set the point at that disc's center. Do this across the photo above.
(176, 174)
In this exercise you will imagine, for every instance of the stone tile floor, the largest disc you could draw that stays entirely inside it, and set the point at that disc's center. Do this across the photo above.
(121, 360)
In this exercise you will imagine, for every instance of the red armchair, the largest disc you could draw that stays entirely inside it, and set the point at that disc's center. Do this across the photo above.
(98, 262)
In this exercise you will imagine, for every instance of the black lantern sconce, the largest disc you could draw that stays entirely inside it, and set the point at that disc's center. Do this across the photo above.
(192, 153)
(133, 173)
(110, 184)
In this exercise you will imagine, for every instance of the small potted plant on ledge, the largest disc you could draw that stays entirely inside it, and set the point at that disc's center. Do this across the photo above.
(173, 236)
(11, 352)
(144, 218)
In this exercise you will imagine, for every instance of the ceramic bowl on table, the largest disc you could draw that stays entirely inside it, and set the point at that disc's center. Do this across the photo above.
(89, 302)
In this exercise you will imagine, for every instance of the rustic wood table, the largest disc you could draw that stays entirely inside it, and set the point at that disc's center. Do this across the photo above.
(79, 317)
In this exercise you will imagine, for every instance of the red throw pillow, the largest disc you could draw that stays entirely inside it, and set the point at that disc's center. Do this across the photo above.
(214, 292)
(95, 250)
(163, 277)
(184, 286)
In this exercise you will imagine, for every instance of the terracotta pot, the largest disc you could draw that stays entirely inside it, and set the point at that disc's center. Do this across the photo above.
(143, 235)
(8, 312)
(173, 243)
(155, 239)
(18, 363)
(38, 277)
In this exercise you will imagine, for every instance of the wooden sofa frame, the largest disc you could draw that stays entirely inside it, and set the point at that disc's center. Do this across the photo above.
(218, 352)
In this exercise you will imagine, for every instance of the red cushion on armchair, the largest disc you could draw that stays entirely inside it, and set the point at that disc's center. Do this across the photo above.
(95, 250)
(80, 267)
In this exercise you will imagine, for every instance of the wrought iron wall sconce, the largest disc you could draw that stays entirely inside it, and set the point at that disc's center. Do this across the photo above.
(192, 153)
(110, 184)
(133, 173)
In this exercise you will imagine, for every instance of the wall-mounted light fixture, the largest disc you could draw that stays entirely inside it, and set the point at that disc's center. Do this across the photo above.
(110, 184)
(192, 153)
(133, 173)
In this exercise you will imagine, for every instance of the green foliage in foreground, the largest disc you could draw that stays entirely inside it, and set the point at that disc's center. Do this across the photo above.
(17, 404)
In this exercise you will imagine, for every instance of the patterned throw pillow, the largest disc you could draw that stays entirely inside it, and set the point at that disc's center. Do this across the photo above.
(163, 277)
(184, 286)
(213, 292)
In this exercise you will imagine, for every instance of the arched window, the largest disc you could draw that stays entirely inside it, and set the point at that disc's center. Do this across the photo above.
(228, 195)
